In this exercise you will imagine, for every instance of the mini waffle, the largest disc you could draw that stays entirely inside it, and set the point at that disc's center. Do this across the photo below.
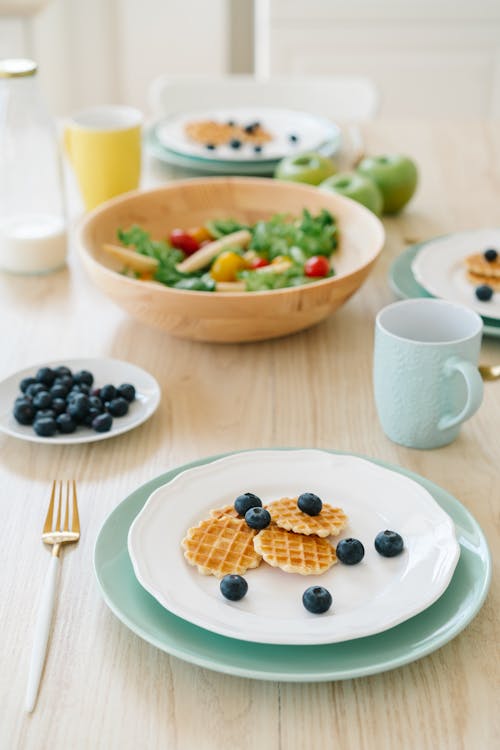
(286, 514)
(294, 553)
(222, 133)
(218, 546)
(478, 266)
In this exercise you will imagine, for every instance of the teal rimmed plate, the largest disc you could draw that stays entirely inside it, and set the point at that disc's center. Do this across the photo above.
(404, 284)
(400, 645)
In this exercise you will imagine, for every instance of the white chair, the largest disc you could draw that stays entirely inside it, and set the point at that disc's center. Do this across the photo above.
(348, 99)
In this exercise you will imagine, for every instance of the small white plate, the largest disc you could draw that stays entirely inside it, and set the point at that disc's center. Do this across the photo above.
(311, 131)
(368, 598)
(439, 267)
(105, 371)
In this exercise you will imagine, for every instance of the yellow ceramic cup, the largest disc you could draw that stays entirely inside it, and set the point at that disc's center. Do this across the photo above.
(104, 148)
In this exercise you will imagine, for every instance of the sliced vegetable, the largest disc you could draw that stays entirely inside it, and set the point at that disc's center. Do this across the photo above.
(258, 262)
(184, 241)
(132, 259)
(226, 266)
(317, 266)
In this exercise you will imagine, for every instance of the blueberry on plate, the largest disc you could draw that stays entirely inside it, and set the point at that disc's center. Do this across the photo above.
(90, 416)
(58, 405)
(65, 424)
(84, 377)
(59, 390)
(389, 543)
(490, 255)
(102, 423)
(258, 518)
(65, 380)
(107, 393)
(317, 599)
(126, 391)
(25, 384)
(257, 149)
(117, 407)
(293, 138)
(210, 146)
(233, 587)
(45, 414)
(310, 503)
(78, 407)
(63, 371)
(45, 427)
(231, 123)
(96, 403)
(350, 551)
(484, 292)
(246, 501)
(42, 400)
(46, 376)
(24, 412)
(35, 388)
(235, 143)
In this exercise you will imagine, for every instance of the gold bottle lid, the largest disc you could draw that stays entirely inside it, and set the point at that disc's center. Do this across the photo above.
(17, 68)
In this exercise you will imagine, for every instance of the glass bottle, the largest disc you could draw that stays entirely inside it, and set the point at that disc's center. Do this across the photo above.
(32, 203)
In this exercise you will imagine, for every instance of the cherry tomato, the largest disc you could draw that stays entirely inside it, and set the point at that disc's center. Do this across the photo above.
(226, 266)
(200, 234)
(258, 262)
(317, 266)
(184, 241)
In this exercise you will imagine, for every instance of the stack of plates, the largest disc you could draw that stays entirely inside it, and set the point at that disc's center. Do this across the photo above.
(436, 269)
(386, 611)
(292, 132)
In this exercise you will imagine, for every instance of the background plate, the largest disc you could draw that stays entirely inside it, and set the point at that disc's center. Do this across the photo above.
(405, 643)
(105, 370)
(367, 598)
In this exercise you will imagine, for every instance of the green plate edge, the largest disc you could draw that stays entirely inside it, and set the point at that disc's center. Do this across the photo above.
(404, 284)
(405, 643)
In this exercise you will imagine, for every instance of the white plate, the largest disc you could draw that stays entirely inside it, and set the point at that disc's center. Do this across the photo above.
(439, 267)
(311, 130)
(368, 598)
(105, 371)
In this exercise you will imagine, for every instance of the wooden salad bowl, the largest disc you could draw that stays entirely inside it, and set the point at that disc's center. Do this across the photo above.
(234, 316)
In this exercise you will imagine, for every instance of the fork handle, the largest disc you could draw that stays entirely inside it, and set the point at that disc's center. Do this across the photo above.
(42, 630)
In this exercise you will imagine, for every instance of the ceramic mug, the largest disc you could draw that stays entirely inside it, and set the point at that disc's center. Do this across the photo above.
(104, 147)
(426, 379)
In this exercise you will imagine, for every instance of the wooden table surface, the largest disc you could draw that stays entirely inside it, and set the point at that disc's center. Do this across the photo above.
(104, 687)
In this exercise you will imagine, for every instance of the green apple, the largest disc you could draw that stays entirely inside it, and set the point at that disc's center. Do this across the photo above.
(356, 186)
(309, 167)
(396, 176)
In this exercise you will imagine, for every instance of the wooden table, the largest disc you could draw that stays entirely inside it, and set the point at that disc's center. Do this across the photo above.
(103, 687)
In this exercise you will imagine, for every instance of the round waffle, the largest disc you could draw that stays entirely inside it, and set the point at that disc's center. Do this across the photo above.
(218, 546)
(294, 553)
(226, 510)
(286, 514)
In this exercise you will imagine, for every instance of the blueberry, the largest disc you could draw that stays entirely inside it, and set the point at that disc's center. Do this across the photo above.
(84, 377)
(96, 403)
(231, 123)
(45, 414)
(58, 405)
(126, 391)
(293, 138)
(35, 388)
(107, 393)
(483, 293)
(389, 543)
(25, 384)
(490, 255)
(63, 371)
(310, 503)
(251, 128)
(246, 501)
(91, 415)
(64, 380)
(235, 143)
(78, 407)
(258, 518)
(59, 391)
(118, 407)
(317, 599)
(24, 412)
(350, 551)
(210, 146)
(46, 376)
(233, 587)
(45, 427)
(102, 423)
(42, 400)
(257, 149)
(65, 424)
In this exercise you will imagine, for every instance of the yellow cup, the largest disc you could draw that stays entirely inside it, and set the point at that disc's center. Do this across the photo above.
(104, 148)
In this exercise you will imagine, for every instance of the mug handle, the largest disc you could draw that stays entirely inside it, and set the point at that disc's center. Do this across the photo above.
(474, 385)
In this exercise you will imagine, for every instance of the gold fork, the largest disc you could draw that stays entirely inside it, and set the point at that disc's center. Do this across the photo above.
(56, 533)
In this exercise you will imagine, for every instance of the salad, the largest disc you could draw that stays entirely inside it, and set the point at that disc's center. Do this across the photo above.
(227, 255)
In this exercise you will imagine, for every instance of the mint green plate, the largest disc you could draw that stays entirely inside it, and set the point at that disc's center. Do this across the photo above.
(404, 285)
(337, 661)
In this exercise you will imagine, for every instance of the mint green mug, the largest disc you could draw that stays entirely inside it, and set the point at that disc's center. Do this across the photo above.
(425, 373)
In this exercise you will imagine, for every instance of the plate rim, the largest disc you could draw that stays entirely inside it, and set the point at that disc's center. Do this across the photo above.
(92, 437)
(272, 635)
(299, 676)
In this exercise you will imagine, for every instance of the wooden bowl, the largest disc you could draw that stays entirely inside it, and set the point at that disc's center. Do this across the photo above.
(236, 316)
